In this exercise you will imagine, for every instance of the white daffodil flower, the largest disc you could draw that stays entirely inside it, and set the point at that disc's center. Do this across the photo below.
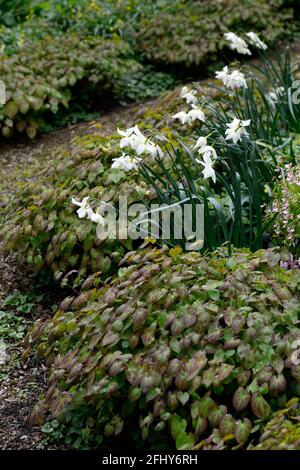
(138, 144)
(201, 142)
(126, 135)
(189, 95)
(233, 80)
(207, 150)
(237, 80)
(237, 44)
(196, 113)
(153, 150)
(256, 41)
(236, 129)
(208, 154)
(182, 116)
(223, 75)
(134, 139)
(191, 116)
(95, 217)
(86, 211)
(126, 163)
(208, 171)
(84, 207)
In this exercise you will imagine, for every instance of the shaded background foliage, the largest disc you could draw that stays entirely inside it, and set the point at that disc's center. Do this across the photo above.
(178, 37)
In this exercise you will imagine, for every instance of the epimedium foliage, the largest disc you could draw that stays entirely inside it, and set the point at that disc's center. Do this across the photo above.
(41, 76)
(39, 221)
(193, 33)
(177, 348)
(57, 64)
(106, 17)
(44, 224)
(100, 17)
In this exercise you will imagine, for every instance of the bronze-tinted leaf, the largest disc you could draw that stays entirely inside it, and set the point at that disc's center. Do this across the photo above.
(241, 399)
(227, 425)
(260, 406)
(242, 430)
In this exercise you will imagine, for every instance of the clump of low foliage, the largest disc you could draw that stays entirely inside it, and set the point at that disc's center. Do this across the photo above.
(192, 33)
(112, 48)
(39, 221)
(46, 229)
(178, 347)
(40, 79)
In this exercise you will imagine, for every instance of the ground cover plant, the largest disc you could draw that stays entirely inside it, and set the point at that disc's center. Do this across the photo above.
(206, 353)
(282, 432)
(40, 81)
(202, 35)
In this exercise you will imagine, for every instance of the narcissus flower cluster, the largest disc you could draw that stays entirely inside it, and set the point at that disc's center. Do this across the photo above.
(126, 163)
(233, 80)
(209, 155)
(236, 43)
(134, 139)
(136, 145)
(195, 113)
(85, 211)
(236, 130)
(189, 95)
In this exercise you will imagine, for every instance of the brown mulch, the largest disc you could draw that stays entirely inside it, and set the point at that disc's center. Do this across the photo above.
(20, 384)
(11, 276)
(18, 395)
(28, 151)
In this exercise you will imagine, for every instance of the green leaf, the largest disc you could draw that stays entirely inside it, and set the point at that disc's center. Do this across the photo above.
(214, 294)
(185, 441)
(178, 426)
